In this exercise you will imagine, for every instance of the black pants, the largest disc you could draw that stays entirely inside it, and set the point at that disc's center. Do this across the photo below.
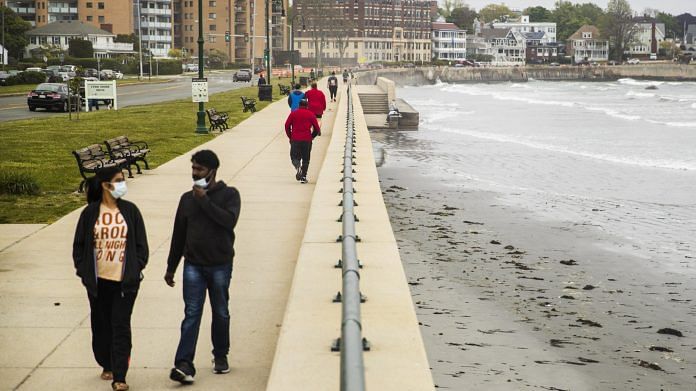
(332, 91)
(111, 330)
(300, 152)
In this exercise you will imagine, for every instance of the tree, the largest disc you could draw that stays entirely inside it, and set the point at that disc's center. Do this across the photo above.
(672, 27)
(15, 29)
(618, 26)
(175, 53)
(80, 48)
(448, 6)
(217, 58)
(463, 17)
(341, 30)
(314, 13)
(570, 17)
(538, 14)
(129, 38)
(493, 12)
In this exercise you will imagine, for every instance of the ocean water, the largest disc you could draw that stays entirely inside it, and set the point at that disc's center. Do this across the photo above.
(618, 156)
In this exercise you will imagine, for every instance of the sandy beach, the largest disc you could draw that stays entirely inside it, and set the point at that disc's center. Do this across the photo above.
(508, 301)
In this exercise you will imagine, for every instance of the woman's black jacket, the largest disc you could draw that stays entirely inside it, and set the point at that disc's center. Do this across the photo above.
(137, 252)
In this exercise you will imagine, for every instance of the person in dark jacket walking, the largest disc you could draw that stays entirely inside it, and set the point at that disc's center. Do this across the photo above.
(204, 236)
(262, 80)
(333, 86)
(109, 252)
(295, 97)
(301, 127)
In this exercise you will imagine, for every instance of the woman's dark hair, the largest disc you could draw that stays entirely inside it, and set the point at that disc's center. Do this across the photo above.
(206, 158)
(94, 184)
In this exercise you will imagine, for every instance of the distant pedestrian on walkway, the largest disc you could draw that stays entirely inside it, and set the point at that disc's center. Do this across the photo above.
(312, 75)
(316, 101)
(110, 251)
(301, 128)
(204, 236)
(295, 97)
(345, 76)
(333, 85)
(262, 80)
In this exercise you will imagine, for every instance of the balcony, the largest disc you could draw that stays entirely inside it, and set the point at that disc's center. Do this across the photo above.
(155, 11)
(114, 46)
(159, 25)
(157, 38)
(240, 9)
(24, 10)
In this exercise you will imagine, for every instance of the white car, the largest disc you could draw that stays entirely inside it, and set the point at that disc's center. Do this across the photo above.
(633, 61)
(117, 75)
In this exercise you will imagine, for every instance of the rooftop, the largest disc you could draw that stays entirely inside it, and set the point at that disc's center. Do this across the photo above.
(68, 27)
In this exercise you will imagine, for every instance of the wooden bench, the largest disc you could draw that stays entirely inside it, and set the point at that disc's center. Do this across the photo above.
(92, 158)
(249, 104)
(218, 120)
(133, 151)
(284, 90)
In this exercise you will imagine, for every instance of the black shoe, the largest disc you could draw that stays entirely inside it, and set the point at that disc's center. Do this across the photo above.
(221, 365)
(298, 175)
(183, 373)
(303, 179)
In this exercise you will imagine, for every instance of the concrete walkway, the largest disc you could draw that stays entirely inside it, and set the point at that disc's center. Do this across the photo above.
(44, 312)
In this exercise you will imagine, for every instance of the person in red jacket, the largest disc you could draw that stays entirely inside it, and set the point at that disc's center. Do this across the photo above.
(316, 100)
(301, 128)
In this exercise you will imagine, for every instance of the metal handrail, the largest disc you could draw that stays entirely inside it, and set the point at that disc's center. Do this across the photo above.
(351, 342)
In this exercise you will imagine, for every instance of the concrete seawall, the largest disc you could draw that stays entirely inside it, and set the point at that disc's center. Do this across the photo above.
(429, 75)
(397, 359)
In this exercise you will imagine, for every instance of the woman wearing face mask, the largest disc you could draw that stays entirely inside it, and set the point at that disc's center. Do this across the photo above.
(110, 251)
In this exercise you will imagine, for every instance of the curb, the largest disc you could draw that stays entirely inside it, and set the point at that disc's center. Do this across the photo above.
(129, 84)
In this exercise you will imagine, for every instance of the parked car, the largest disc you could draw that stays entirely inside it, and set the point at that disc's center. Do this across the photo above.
(91, 72)
(409, 65)
(653, 56)
(555, 64)
(612, 62)
(242, 75)
(50, 96)
(33, 69)
(191, 68)
(106, 74)
(3, 78)
(633, 61)
(118, 75)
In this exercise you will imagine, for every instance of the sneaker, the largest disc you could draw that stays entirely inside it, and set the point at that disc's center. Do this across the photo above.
(107, 375)
(298, 175)
(119, 386)
(183, 373)
(303, 179)
(221, 365)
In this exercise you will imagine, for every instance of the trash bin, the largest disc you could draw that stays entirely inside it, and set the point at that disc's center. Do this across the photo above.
(304, 81)
(266, 92)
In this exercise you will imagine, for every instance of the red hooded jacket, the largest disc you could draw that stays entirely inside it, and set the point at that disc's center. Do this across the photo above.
(316, 101)
(299, 125)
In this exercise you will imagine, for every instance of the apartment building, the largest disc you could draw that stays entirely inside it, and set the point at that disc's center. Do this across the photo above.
(114, 16)
(449, 42)
(155, 25)
(369, 30)
(244, 19)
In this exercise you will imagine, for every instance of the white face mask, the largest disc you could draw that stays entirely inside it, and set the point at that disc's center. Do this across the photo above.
(202, 183)
(120, 189)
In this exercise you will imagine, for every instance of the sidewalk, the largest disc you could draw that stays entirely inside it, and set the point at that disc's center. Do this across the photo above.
(44, 313)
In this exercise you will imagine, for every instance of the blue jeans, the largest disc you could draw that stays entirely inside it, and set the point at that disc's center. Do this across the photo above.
(198, 279)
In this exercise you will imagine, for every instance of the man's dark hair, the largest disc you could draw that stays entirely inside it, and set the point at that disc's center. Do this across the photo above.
(333, 72)
(206, 158)
(297, 86)
(304, 103)
(314, 85)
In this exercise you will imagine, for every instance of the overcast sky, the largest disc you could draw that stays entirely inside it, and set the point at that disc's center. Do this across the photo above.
(674, 7)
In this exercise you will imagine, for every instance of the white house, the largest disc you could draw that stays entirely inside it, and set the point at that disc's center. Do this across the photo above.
(3, 55)
(449, 41)
(648, 34)
(523, 25)
(506, 46)
(60, 33)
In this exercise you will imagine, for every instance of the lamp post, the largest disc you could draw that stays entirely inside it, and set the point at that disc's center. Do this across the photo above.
(267, 51)
(292, 44)
(4, 60)
(200, 126)
(140, 41)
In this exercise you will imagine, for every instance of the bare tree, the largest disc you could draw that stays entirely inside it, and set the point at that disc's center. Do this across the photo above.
(341, 29)
(314, 13)
(619, 26)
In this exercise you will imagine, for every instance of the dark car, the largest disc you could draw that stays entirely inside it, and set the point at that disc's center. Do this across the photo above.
(50, 96)
(3, 78)
(242, 75)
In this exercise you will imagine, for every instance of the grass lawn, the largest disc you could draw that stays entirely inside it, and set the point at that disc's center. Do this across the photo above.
(42, 147)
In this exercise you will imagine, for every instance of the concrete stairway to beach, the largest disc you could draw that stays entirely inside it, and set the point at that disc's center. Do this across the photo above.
(373, 99)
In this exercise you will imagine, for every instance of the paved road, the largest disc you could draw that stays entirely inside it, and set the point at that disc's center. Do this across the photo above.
(15, 107)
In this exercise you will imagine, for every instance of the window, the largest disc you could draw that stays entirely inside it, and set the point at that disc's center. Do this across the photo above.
(56, 40)
(212, 38)
(587, 34)
(101, 19)
(212, 15)
(100, 5)
(89, 5)
(212, 27)
(212, 3)
(90, 18)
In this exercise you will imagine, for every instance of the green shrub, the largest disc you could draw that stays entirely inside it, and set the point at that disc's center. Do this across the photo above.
(17, 183)
(168, 67)
(32, 77)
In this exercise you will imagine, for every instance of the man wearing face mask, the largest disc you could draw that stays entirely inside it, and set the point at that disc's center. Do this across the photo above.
(204, 236)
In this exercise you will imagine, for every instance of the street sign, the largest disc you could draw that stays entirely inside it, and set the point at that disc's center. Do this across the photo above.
(199, 89)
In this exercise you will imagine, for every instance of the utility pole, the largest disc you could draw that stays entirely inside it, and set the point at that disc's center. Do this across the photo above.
(4, 50)
(267, 52)
(140, 42)
(200, 126)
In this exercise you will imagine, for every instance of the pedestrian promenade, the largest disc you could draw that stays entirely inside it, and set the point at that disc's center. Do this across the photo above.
(44, 313)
